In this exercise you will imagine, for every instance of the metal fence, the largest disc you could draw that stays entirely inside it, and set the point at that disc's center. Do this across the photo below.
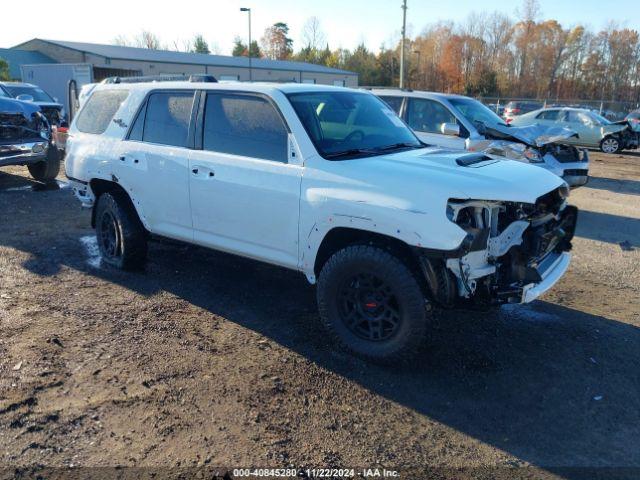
(609, 109)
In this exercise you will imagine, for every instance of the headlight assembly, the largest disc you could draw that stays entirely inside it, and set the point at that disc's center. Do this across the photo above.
(533, 155)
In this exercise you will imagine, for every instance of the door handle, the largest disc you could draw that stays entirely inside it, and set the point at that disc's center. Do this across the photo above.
(195, 171)
(212, 173)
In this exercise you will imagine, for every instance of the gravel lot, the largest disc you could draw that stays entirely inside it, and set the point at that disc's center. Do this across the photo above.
(210, 359)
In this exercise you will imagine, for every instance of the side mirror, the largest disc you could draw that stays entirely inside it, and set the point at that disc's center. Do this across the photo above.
(451, 129)
(25, 98)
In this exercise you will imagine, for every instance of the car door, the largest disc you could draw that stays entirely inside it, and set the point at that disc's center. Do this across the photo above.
(245, 178)
(426, 118)
(153, 162)
(579, 122)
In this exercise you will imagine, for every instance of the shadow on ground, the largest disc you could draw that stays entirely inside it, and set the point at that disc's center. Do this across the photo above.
(609, 228)
(550, 385)
(615, 185)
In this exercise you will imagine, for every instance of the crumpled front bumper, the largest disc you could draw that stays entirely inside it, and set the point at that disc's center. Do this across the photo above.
(555, 266)
(23, 153)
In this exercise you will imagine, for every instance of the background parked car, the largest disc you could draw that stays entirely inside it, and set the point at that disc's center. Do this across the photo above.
(49, 106)
(633, 118)
(52, 109)
(455, 121)
(516, 108)
(594, 131)
(25, 139)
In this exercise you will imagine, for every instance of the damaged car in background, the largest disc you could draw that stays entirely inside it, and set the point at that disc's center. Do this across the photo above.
(456, 121)
(326, 181)
(26, 139)
(594, 130)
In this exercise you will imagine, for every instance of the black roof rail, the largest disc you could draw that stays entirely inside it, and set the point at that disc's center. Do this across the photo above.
(370, 87)
(195, 78)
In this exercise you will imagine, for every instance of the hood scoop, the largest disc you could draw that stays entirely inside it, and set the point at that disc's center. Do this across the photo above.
(474, 160)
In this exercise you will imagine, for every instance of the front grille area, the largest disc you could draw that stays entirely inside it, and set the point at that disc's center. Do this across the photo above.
(16, 128)
(563, 153)
(52, 114)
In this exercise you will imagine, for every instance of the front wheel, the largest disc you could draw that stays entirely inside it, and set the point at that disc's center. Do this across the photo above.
(372, 304)
(121, 236)
(48, 169)
(610, 145)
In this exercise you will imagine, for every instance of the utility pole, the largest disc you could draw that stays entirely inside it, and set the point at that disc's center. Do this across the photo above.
(404, 32)
(418, 84)
(248, 10)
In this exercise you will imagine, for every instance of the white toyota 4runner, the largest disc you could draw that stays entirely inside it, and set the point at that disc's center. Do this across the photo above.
(327, 181)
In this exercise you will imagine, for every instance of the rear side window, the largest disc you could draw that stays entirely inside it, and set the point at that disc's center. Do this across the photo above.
(394, 102)
(244, 125)
(549, 115)
(99, 110)
(167, 119)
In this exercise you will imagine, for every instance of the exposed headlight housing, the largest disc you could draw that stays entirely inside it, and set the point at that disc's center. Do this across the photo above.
(533, 155)
(38, 148)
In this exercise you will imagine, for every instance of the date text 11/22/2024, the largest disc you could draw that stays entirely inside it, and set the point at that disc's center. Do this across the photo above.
(315, 473)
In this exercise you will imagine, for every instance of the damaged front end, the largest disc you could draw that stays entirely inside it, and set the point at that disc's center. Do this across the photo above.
(24, 133)
(628, 135)
(513, 252)
(537, 145)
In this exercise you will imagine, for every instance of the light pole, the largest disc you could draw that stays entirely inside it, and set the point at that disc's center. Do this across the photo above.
(244, 9)
(404, 31)
(418, 53)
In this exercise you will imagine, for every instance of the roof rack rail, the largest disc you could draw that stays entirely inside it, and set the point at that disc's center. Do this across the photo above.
(369, 87)
(195, 78)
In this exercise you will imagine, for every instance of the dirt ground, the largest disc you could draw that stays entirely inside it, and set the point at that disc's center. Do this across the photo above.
(210, 359)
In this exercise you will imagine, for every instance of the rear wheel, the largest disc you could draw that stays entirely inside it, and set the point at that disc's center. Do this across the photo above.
(48, 169)
(610, 145)
(120, 234)
(372, 304)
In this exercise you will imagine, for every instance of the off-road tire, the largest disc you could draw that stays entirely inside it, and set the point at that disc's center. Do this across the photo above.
(411, 333)
(47, 170)
(115, 209)
(608, 141)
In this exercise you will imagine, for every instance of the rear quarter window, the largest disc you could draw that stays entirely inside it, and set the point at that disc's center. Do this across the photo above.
(99, 110)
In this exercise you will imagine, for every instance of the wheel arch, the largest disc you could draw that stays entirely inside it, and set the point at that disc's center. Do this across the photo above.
(340, 237)
(100, 186)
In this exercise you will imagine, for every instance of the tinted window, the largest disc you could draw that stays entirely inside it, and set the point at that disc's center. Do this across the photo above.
(394, 102)
(549, 115)
(349, 124)
(244, 125)
(99, 110)
(138, 125)
(427, 115)
(167, 118)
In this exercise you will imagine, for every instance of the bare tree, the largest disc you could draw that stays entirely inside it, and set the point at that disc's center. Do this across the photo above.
(148, 40)
(312, 35)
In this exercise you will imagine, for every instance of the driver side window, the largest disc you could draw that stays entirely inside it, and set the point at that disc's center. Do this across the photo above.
(427, 115)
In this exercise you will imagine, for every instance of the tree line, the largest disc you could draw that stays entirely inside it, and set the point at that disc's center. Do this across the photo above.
(488, 54)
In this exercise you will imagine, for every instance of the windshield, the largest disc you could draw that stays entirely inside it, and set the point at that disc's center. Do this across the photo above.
(351, 124)
(599, 118)
(38, 94)
(476, 112)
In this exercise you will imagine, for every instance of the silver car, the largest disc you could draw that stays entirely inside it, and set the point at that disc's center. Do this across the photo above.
(456, 121)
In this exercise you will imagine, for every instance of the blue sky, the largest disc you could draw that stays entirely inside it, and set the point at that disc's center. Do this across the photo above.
(345, 22)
